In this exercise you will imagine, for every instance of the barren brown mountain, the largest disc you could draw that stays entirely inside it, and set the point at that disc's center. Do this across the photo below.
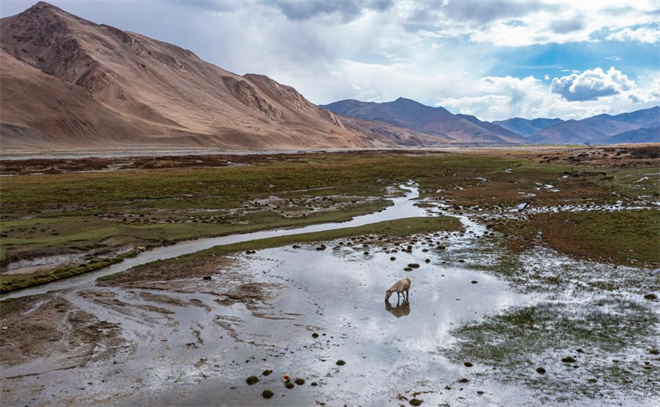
(70, 83)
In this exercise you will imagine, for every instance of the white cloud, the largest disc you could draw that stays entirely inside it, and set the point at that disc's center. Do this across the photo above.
(649, 94)
(644, 34)
(517, 24)
(497, 98)
(591, 84)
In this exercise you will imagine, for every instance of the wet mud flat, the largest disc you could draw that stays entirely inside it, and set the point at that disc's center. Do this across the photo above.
(483, 327)
(291, 310)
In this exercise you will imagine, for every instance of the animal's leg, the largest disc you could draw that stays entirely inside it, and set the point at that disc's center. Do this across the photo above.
(407, 295)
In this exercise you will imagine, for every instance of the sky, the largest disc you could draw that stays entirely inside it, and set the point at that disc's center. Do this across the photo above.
(490, 58)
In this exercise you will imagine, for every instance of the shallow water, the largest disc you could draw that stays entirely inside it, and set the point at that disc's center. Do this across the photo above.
(388, 349)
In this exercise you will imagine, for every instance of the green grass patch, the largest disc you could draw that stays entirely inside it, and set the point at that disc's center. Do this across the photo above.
(12, 282)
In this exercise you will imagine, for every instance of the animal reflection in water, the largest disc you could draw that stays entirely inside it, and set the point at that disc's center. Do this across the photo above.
(400, 310)
(401, 288)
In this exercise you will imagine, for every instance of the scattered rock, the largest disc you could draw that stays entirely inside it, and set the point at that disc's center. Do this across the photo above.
(592, 380)
(415, 402)
(407, 269)
(340, 362)
(413, 265)
(427, 260)
(289, 385)
(299, 381)
(568, 359)
(463, 380)
(267, 394)
(314, 384)
(207, 278)
(252, 380)
(475, 282)
(480, 392)
(540, 370)
(315, 335)
(651, 297)
(468, 364)
(654, 352)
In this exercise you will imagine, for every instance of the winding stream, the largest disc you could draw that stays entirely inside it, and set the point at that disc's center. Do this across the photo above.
(403, 207)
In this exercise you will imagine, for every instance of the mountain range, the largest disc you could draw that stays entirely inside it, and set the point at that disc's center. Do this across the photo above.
(636, 127)
(68, 83)
(437, 121)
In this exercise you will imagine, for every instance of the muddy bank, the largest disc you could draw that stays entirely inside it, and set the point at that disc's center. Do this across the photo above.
(50, 333)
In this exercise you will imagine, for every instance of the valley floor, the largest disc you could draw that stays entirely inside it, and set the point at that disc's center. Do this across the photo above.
(554, 303)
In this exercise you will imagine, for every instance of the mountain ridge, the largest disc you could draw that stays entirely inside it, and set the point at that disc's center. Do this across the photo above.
(436, 121)
(599, 129)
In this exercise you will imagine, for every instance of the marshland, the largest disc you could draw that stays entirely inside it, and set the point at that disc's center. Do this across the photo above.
(171, 280)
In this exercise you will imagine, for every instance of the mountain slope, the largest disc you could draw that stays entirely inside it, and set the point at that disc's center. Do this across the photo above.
(526, 127)
(597, 129)
(425, 119)
(70, 82)
(641, 135)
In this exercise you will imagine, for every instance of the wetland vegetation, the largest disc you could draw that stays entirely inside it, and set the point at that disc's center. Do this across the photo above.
(554, 303)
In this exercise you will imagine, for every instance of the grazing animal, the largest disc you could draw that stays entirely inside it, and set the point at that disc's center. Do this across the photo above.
(401, 287)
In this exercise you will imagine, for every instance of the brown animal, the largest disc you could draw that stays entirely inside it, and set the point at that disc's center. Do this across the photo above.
(401, 287)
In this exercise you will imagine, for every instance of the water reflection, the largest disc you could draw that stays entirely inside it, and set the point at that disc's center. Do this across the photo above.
(400, 310)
